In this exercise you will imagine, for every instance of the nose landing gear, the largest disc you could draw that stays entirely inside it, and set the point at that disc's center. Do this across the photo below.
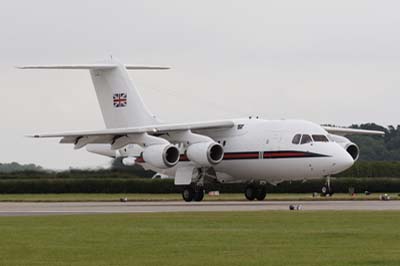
(327, 190)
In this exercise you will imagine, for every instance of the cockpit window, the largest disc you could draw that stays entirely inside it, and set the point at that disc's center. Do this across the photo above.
(320, 138)
(296, 139)
(306, 139)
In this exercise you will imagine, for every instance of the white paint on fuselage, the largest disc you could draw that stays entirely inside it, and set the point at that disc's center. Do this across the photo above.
(257, 135)
(277, 135)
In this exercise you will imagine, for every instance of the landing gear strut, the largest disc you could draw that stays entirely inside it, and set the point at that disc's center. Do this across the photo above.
(253, 192)
(327, 188)
(193, 194)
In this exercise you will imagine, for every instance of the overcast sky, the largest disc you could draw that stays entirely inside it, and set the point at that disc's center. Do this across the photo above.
(325, 61)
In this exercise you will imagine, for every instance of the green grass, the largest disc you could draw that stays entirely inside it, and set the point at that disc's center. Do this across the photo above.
(226, 238)
(70, 197)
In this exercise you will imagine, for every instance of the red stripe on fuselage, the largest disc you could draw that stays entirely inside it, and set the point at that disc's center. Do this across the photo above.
(283, 154)
(255, 155)
(241, 155)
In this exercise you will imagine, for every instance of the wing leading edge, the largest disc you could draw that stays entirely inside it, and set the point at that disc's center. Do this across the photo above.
(111, 136)
(343, 131)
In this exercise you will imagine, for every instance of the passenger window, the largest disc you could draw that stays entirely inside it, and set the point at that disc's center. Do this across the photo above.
(306, 139)
(296, 139)
(320, 138)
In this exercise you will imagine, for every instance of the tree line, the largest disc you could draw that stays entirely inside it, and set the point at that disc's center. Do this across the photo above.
(378, 148)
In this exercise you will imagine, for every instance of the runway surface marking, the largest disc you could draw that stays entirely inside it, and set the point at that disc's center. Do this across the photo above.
(63, 208)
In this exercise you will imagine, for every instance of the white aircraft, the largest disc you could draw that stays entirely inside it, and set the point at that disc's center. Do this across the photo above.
(252, 150)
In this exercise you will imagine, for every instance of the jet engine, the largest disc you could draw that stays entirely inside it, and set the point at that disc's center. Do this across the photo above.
(205, 153)
(161, 156)
(349, 146)
(353, 150)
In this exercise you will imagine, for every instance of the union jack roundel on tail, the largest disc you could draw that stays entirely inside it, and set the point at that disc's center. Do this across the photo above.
(120, 99)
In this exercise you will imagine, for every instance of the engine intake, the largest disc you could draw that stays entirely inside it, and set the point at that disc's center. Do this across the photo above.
(205, 153)
(161, 156)
(349, 146)
(353, 150)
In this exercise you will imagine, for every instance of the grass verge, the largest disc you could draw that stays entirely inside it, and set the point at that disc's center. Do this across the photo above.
(227, 238)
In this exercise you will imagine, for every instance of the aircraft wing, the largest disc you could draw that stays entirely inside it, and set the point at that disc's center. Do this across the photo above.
(342, 131)
(135, 134)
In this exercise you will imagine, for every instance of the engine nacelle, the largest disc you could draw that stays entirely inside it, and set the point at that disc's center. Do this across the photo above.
(161, 156)
(205, 153)
(349, 146)
(353, 150)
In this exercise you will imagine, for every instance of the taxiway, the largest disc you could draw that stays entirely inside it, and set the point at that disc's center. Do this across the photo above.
(28, 209)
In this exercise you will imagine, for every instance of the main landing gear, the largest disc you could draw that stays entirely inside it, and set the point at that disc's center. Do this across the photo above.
(327, 190)
(253, 192)
(192, 194)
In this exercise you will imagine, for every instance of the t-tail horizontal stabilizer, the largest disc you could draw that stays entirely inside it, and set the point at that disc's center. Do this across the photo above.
(92, 66)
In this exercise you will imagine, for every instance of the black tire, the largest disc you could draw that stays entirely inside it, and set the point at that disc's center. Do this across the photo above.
(199, 195)
(261, 193)
(326, 191)
(250, 193)
(188, 194)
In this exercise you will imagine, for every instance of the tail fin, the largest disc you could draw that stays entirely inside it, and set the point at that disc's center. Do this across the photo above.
(120, 102)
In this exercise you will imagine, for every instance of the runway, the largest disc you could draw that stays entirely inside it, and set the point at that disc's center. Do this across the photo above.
(29, 209)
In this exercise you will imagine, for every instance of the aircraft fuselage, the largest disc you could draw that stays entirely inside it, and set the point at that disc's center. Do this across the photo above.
(256, 149)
